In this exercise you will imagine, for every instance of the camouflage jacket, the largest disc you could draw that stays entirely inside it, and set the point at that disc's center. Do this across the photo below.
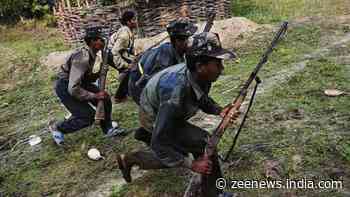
(122, 47)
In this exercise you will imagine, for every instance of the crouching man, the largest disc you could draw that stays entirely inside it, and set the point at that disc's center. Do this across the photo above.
(122, 53)
(170, 98)
(157, 59)
(76, 90)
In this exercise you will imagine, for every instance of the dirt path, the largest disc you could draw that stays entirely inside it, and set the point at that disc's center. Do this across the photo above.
(113, 184)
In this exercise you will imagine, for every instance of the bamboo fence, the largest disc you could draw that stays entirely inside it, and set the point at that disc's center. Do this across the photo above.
(152, 16)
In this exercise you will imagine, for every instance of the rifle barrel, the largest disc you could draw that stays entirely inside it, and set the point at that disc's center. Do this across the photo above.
(264, 57)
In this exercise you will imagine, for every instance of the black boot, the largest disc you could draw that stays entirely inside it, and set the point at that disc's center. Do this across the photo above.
(143, 135)
(124, 167)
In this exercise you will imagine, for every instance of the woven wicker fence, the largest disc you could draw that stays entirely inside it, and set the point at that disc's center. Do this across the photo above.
(152, 16)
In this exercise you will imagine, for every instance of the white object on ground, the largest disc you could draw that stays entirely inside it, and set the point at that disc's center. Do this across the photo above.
(333, 92)
(115, 124)
(94, 154)
(34, 140)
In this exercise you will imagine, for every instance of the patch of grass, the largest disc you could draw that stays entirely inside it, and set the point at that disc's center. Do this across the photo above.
(297, 42)
(318, 136)
(344, 149)
(267, 11)
(168, 182)
(314, 136)
(23, 46)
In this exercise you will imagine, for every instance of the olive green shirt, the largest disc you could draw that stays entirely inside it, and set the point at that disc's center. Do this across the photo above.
(122, 47)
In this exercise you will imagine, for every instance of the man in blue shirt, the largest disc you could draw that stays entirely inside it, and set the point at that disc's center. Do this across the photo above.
(165, 55)
(155, 60)
(170, 98)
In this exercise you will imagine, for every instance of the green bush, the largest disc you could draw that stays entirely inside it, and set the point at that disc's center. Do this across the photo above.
(13, 10)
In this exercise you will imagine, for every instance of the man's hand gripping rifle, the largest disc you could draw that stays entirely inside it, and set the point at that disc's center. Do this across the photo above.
(237, 102)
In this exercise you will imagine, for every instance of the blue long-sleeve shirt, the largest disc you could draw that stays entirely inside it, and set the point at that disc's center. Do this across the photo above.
(155, 60)
(160, 58)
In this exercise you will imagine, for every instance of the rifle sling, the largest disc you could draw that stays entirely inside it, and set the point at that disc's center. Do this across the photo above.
(258, 81)
(139, 66)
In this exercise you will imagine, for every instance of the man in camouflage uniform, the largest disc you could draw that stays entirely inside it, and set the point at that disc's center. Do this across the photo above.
(76, 90)
(170, 98)
(122, 49)
(157, 59)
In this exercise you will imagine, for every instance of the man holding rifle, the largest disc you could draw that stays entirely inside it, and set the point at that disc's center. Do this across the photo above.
(157, 59)
(76, 90)
(170, 98)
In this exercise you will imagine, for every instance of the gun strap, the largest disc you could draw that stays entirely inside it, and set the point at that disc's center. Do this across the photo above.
(258, 81)
(139, 66)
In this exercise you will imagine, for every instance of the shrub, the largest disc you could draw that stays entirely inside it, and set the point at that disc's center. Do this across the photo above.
(13, 10)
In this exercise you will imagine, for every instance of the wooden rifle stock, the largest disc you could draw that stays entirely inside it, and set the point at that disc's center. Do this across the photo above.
(100, 110)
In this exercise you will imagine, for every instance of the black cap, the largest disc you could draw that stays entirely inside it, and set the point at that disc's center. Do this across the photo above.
(92, 33)
(181, 27)
(208, 44)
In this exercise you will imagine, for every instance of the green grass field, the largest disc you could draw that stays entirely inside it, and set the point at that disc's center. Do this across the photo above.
(266, 11)
(292, 121)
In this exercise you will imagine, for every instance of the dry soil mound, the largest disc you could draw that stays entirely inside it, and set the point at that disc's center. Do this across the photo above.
(230, 31)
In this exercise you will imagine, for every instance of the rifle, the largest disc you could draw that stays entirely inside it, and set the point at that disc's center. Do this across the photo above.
(144, 77)
(210, 22)
(100, 110)
(213, 141)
